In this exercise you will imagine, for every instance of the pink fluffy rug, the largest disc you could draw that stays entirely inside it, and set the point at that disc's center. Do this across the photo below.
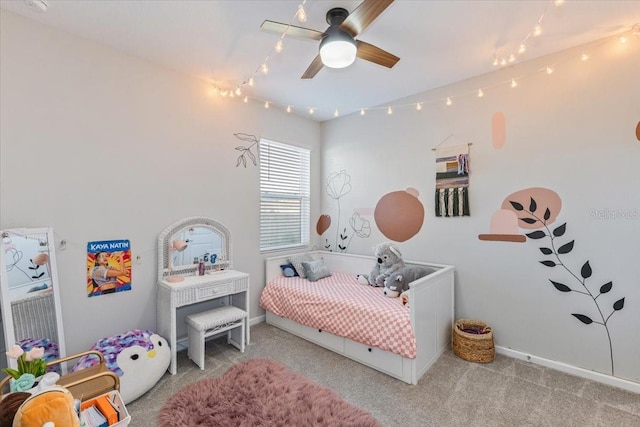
(260, 392)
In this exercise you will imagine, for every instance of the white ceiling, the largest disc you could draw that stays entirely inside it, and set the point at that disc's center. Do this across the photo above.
(439, 42)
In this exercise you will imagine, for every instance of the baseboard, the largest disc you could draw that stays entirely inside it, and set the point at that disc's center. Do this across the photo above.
(257, 320)
(572, 370)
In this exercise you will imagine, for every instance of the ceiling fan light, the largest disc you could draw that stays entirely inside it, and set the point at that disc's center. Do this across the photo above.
(338, 50)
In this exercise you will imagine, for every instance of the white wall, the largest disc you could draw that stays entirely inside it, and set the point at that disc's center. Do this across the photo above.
(101, 145)
(573, 132)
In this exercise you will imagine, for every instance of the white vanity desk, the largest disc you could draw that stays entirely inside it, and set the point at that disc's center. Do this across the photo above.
(197, 237)
(231, 285)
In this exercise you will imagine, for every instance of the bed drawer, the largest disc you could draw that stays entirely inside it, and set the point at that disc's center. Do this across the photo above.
(283, 323)
(325, 339)
(379, 359)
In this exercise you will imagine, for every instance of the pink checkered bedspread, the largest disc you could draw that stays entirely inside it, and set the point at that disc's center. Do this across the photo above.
(340, 305)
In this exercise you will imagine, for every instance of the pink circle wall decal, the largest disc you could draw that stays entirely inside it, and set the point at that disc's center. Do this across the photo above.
(498, 130)
(638, 131)
(399, 215)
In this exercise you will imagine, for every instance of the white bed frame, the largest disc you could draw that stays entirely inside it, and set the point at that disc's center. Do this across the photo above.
(431, 304)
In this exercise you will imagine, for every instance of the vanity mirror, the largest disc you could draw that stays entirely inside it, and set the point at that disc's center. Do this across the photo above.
(186, 242)
(30, 293)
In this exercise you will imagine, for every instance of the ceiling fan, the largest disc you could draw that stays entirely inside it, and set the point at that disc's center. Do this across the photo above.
(338, 46)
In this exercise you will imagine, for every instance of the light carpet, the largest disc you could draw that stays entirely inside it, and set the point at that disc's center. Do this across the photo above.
(453, 393)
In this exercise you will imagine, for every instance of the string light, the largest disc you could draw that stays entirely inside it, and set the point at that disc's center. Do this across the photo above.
(510, 58)
(497, 60)
(301, 14)
(537, 30)
(278, 47)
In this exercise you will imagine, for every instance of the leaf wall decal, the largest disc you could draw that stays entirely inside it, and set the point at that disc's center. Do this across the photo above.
(561, 287)
(528, 220)
(517, 206)
(548, 263)
(546, 251)
(533, 206)
(536, 234)
(559, 231)
(584, 319)
(586, 271)
(618, 305)
(566, 248)
(547, 214)
(606, 287)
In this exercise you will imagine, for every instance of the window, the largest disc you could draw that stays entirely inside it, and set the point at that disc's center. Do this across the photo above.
(284, 196)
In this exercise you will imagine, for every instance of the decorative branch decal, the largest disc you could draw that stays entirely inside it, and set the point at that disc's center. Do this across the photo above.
(246, 151)
(533, 220)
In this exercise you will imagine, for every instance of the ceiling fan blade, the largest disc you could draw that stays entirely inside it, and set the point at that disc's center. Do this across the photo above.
(369, 52)
(316, 65)
(292, 30)
(363, 15)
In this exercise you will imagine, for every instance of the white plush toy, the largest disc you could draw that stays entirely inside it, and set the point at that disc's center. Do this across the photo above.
(398, 282)
(389, 260)
(139, 357)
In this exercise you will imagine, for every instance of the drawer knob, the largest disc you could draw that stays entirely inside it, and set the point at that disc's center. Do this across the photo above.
(369, 349)
(319, 330)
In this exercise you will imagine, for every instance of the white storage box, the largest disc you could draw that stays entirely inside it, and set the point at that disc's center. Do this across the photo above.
(123, 415)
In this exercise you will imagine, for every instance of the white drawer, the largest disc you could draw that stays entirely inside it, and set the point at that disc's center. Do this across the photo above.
(325, 339)
(213, 291)
(382, 360)
(283, 323)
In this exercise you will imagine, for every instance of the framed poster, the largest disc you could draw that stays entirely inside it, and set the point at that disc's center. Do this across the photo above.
(108, 267)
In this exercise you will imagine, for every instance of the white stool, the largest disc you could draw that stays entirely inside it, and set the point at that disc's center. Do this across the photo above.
(212, 322)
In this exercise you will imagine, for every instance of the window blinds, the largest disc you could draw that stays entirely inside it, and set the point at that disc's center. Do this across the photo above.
(284, 195)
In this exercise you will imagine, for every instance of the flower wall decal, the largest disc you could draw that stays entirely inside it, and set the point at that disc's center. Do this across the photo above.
(338, 185)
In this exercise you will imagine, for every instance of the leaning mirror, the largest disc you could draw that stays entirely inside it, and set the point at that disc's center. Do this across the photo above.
(29, 293)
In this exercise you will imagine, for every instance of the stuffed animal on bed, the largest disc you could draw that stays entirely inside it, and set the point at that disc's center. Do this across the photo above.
(139, 357)
(398, 281)
(389, 260)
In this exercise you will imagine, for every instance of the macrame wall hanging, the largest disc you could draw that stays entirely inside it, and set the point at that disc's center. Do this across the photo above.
(452, 180)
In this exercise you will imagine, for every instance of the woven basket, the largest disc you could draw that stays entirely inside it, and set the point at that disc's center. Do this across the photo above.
(473, 347)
